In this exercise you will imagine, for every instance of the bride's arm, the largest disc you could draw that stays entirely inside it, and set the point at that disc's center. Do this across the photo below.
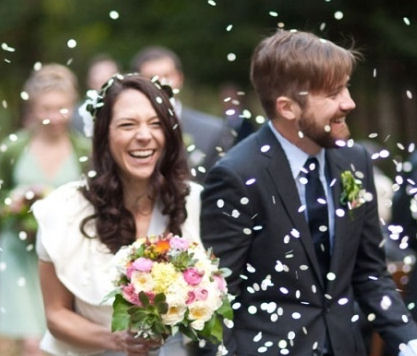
(64, 323)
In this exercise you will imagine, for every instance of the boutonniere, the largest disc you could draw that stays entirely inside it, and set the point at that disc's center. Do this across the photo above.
(353, 195)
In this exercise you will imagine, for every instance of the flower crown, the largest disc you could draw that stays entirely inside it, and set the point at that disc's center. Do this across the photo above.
(95, 99)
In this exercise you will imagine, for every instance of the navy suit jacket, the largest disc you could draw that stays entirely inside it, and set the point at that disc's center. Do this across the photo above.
(251, 218)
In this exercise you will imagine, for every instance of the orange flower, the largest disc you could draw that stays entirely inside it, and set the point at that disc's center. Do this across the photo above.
(162, 246)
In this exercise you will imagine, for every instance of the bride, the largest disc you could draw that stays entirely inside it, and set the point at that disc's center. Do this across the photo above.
(138, 187)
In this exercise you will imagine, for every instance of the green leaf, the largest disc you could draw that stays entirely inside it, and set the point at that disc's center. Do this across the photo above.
(144, 299)
(226, 310)
(121, 317)
(159, 298)
(110, 295)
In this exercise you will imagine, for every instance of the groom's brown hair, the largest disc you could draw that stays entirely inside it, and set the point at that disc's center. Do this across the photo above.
(293, 63)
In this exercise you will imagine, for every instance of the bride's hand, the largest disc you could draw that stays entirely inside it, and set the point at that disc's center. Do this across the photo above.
(136, 346)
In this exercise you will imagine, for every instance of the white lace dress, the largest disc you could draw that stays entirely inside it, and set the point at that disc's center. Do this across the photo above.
(83, 265)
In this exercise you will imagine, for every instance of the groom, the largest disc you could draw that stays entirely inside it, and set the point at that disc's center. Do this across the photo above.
(302, 246)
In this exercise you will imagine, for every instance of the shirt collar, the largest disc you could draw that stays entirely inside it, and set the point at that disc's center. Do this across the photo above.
(296, 156)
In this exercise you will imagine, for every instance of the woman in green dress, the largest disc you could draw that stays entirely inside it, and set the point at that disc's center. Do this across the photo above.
(45, 153)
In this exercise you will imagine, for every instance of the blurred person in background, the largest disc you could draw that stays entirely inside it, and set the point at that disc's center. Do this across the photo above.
(100, 69)
(206, 137)
(404, 218)
(44, 154)
(234, 109)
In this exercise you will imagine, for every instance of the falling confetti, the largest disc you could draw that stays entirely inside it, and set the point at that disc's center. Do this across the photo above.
(211, 2)
(5, 47)
(407, 21)
(273, 13)
(231, 57)
(114, 15)
(24, 95)
(409, 94)
(229, 28)
(72, 43)
(338, 15)
(260, 119)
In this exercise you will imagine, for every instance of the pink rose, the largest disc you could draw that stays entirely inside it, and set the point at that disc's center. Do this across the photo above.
(221, 283)
(130, 295)
(179, 243)
(143, 264)
(201, 294)
(191, 297)
(192, 276)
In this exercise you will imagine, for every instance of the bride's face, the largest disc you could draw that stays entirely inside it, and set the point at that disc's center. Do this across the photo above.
(136, 138)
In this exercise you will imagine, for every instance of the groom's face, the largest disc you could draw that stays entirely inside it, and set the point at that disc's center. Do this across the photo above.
(323, 119)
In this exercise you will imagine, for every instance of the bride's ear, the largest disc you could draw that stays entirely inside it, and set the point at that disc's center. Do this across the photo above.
(286, 108)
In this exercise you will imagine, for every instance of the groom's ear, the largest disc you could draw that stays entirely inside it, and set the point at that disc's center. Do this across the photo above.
(287, 108)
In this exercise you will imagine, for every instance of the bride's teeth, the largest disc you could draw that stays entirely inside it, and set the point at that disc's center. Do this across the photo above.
(142, 154)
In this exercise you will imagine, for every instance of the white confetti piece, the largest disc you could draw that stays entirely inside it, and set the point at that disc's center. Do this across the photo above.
(273, 13)
(24, 95)
(262, 349)
(371, 317)
(250, 181)
(409, 94)
(231, 57)
(220, 203)
(244, 201)
(252, 309)
(404, 318)
(407, 21)
(257, 337)
(340, 213)
(71, 43)
(229, 28)
(247, 231)
(338, 15)
(91, 174)
(296, 315)
(265, 148)
(331, 276)
(322, 26)
(343, 301)
(3, 266)
(385, 302)
(283, 290)
(114, 15)
(260, 119)
(282, 344)
(21, 282)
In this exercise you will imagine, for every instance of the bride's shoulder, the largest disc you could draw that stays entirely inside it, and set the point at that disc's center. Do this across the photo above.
(66, 198)
(195, 189)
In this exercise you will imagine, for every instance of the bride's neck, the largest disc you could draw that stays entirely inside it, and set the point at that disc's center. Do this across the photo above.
(137, 199)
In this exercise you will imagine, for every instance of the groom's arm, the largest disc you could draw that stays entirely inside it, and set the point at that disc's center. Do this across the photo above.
(373, 285)
(226, 226)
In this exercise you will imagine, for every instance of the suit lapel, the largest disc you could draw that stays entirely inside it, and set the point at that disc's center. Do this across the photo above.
(337, 164)
(282, 180)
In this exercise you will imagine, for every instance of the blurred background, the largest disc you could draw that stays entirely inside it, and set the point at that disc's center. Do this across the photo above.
(215, 40)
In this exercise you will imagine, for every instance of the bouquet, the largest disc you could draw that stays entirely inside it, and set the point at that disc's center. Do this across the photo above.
(16, 210)
(166, 284)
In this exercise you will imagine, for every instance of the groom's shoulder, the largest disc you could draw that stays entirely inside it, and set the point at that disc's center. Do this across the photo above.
(242, 153)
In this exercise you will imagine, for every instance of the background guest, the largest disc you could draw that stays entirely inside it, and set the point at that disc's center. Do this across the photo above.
(45, 153)
(205, 136)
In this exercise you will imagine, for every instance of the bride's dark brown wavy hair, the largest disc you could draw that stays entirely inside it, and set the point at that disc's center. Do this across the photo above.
(114, 223)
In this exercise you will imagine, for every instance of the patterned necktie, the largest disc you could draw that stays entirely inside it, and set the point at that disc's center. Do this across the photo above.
(317, 213)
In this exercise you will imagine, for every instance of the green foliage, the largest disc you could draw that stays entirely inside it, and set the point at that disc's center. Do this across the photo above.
(121, 317)
(183, 260)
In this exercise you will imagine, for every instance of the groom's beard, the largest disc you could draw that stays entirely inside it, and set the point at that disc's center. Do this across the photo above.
(316, 132)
